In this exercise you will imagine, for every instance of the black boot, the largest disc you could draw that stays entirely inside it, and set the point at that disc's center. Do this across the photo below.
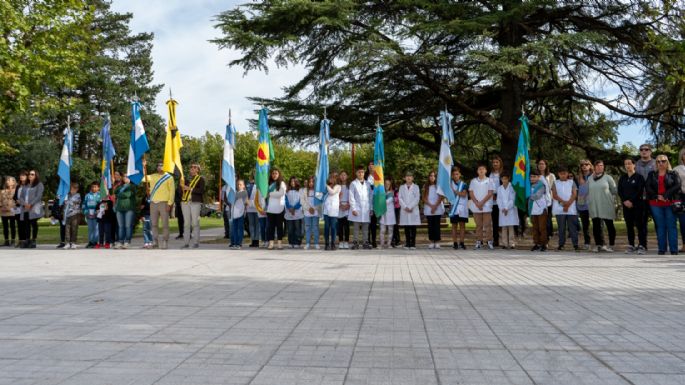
(7, 243)
(32, 245)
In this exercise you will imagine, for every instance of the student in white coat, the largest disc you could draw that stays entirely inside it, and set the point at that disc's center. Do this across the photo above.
(410, 217)
(360, 210)
(343, 223)
(564, 193)
(312, 211)
(331, 209)
(388, 221)
(433, 208)
(508, 213)
(293, 213)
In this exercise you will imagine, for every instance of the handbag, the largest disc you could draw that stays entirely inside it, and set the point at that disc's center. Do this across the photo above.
(678, 208)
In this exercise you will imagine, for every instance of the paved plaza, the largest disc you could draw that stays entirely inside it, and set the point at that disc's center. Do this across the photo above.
(213, 316)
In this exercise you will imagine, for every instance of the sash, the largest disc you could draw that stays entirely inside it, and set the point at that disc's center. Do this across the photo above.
(536, 188)
(157, 185)
(455, 204)
(193, 183)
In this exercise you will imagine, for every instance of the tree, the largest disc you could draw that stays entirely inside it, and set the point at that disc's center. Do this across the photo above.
(562, 62)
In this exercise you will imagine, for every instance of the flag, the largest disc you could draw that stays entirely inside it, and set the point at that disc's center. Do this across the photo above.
(228, 165)
(265, 154)
(445, 161)
(320, 189)
(379, 206)
(173, 144)
(137, 147)
(107, 156)
(520, 180)
(64, 168)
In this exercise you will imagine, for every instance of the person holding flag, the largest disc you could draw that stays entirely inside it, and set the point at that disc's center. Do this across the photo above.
(191, 205)
(161, 199)
(108, 154)
(410, 218)
(137, 147)
(320, 187)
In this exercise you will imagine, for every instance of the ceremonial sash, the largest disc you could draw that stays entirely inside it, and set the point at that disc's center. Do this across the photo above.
(159, 184)
(536, 188)
(455, 204)
(193, 183)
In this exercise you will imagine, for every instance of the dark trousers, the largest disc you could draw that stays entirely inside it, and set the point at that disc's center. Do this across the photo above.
(396, 230)
(62, 232)
(71, 229)
(550, 226)
(21, 228)
(343, 229)
(495, 225)
(30, 227)
(521, 228)
(179, 217)
(227, 226)
(330, 225)
(372, 230)
(294, 231)
(114, 229)
(410, 235)
(585, 221)
(598, 232)
(9, 223)
(634, 219)
(105, 231)
(274, 226)
(433, 227)
(646, 214)
(238, 231)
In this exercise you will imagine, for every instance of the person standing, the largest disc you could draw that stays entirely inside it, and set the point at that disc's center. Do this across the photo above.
(548, 178)
(226, 212)
(433, 208)
(396, 200)
(410, 218)
(91, 202)
(663, 190)
(252, 215)
(538, 207)
(116, 183)
(161, 201)
(293, 213)
(644, 165)
(460, 214)
(495, 175)
(72, 216)
(238, 216)
(311, 215)
(360, 210)
(21, 226)
(147, 226)
(125, 209)
(7, 211)
(373, 224)
(680, 170)
(178, 211)
(631, 189)
(191, 205)
(602, 190)
(343, 223)
(564, 193)
(331, 209)
(275, 209)
(481, 192)
(586, 171)
(31, 202)
(388, 220)
(508, 214)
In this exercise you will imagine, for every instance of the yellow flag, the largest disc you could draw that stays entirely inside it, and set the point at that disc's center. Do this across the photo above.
(172, 147)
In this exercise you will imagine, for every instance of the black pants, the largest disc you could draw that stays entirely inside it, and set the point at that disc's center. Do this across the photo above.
(227, 226)
(646, 213)
(433, 227)
(410, 235)
(521, 228)
(30, 227)
(114, 229)
(372, 230)
(495, 225)
(21, 228)
(633, 217)
(396, 230)
(9, 223)
(550, 226)
(62, 232)
(105, 231)
(585, 221)
(599, 234)
(274, 226)
(179, 217)
(343, 230)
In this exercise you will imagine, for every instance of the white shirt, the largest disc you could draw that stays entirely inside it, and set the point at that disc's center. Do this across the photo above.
(506, 197)
(308, 199)
(331, 205)
(480, 188)
(344, 199)
(389, 218)
(360, 201)
(433, 197)
(494, 178)
(410, 196)
(462, 202)
(238, 208)
(293, 197)
(276, 203)
(564, 191)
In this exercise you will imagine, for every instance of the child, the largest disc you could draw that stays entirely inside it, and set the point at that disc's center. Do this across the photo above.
(388, 220)
(72, 209)
(343, 224)
(410, 218)
(481, 192)
(508, 214)
(537, 207)
(293, 213)
(57, 217)
(311, 215)
(238, 216)
(331, 209)
(90, 208)
(105, 217)
(360, 210)
(564, 193)
(433, 209)
(459, 214)
(147, 225)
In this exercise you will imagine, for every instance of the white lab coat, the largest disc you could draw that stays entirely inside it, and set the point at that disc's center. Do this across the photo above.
(276, 203)
(410, 196)
(360, 201)
(506, 198)
(331, 205)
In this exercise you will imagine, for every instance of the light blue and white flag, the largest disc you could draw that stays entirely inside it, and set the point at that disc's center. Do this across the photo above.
(445, 162)
(320, 189)
(228, 163)
(138, 146)
(64, 168)
(107, 156)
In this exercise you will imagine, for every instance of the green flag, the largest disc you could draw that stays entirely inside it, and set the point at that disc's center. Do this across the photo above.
(521, 179)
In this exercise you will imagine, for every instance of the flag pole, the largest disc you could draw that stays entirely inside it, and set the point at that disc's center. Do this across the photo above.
(147, 182)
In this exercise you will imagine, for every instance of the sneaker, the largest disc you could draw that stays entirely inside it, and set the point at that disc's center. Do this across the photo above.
(412, 248)
(462, 246)
(179, 236)
(74, 246)
(185, 247)
(431, 245)
(630, 249)
(327, 247)
(437, 246)
(107, 246)
(61, 246)
(98, 246)
(640, 250)
(196, 246)
(316, 247)
(543, 248)
(560, 248)
(607, 249)
(366, 246)
(535, 248)
(512, 247)
(491, 246)
(355, 246)
(125, 245)
(306, 247)
(576, 248)
(406, 247)
(479, 245)
(587, 247)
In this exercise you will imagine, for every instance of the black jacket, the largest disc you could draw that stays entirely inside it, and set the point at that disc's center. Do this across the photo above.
(631, 188)
(672, 185)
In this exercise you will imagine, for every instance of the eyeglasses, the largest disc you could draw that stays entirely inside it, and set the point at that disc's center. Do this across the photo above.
(645, 149)
(661, 161)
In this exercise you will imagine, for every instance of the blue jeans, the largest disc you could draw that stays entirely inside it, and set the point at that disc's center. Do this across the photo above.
(262, 229)
(93, 233)
(147, 229)
(330, 228)
(311, 230)
(237, 231)
(294, 227)
(253, 226)
(666, 228)
(125, 222)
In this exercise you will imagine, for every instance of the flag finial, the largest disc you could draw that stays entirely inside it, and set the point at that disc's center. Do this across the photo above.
(229, 116)
(170, 94)
(325, 115)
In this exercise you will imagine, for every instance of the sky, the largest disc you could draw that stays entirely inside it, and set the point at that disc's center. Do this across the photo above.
(197, 71)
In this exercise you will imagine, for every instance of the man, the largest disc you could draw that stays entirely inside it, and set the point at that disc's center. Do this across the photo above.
(643, 166)
(178, 211)
(161, 199)
(191, 205)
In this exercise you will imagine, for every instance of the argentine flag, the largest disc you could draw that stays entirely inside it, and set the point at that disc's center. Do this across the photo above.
(137, 147)
(228, 164)
(445, 162)
(320, 190)
(64, 168)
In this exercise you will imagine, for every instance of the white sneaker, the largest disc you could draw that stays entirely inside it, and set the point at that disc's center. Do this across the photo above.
(306, 247)
(607, 249)
(316, 246)
(432, 245)
(630, 249)
(479, 245)
(73, 246)
(640, 250)
(125, 245)
(491, 246)
(437, 246)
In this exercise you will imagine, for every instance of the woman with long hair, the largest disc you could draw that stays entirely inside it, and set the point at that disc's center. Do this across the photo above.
(602, 190)
(31, 202)
(7, 208)
(663, 190)
(584, 173)
(433, 208)
(496, 170)
(275, 208)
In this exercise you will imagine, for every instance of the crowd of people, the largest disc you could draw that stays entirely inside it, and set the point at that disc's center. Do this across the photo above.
(579, 201)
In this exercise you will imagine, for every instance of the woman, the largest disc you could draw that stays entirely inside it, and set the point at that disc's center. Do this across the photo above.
(663, 189)
(275, 209)
(116, 183)
(21, 230)
(311, 211)
(31, 202)
(433, 208)
(631, 188)
(495, 171)
(586, 171)
(331, 210)
(7, 206)
(125, 209)
(293, 213)
(548, 179)
(601, 192)
(680, 170)
(343, 223)
(410, 218)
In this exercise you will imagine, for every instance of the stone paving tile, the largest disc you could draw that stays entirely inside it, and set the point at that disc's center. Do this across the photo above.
(270, 375)
(397, 376)
(484, 377)
(392, 358)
